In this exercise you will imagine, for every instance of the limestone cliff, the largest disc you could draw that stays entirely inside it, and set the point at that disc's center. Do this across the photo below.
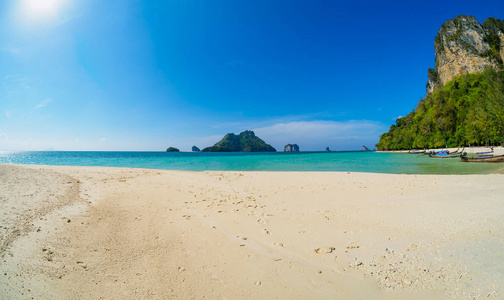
(462, 46)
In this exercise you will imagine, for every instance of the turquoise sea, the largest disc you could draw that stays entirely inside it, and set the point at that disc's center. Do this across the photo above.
(393, 163)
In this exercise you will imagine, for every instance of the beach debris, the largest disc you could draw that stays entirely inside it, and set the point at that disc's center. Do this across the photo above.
(353, 245)
(82, 264)
(324, 250)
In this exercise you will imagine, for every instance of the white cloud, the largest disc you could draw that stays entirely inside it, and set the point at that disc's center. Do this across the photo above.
(17, 82)
(316, 135)
(7, 114)
(3, 135)
(398, 117)
(103, 139)
(43, 103)
(11, 50)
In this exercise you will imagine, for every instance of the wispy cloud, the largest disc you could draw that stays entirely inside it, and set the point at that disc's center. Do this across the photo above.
(43, 103)
(3, 135)
(17, 81)
(316, 135)
(7, 114)
(247, 124)
(10, 50)
(103, 139)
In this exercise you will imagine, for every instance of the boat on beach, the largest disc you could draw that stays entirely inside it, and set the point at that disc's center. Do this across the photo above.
(482, 158)
(488, 152)
(416, 151)
(447, 154)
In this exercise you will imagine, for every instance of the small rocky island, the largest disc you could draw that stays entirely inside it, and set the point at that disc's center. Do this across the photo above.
(195, 149)
(246, 141)
(172, 149)
(291, 148)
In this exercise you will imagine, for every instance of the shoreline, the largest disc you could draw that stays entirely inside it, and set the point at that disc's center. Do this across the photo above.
(498, 150)
(91, 232)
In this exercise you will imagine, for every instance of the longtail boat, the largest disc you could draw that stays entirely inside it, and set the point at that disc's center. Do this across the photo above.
(446, 154)
(416, 151)
(489, 152)
(483, 158)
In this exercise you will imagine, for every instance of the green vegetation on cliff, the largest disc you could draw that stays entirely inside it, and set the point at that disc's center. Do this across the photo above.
(215, 149)
(467, 110)
(492, 27)
(244, 142)
(172, 149)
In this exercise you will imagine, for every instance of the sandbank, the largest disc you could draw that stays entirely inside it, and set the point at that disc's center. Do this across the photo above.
(118, 233)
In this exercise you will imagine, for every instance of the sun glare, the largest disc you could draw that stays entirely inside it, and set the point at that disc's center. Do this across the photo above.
(41, 8)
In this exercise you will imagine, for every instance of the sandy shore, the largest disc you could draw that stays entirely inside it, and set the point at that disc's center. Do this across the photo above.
(111, 233)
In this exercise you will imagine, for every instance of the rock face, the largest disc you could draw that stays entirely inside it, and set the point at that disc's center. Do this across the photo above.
(462, 46)
(291, 148)
(246, 141)
(195, 149)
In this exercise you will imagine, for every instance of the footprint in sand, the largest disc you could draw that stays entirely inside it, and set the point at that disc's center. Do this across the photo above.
(324, 250)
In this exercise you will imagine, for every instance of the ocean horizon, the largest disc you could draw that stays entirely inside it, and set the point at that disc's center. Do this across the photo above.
(306, 161)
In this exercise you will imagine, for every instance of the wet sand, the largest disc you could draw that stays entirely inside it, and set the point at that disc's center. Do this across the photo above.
(116, 233)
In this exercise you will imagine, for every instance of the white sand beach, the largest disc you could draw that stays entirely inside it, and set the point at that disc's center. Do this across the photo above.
(117, 233)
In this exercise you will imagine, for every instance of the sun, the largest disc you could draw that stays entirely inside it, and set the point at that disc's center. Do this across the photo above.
(41, 8)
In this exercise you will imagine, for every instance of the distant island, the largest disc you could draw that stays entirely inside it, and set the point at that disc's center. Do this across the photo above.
(172, 149)
(246, 141)
(465, 92)
(291, 148)
(195, 149)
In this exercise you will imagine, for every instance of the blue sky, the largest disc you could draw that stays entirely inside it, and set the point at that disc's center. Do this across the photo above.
(145, 75)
